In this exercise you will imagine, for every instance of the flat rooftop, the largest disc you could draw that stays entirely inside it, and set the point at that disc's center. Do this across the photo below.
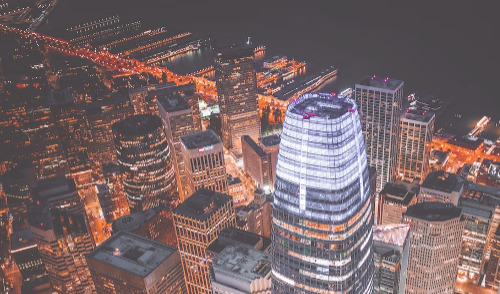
(380, 82)
(234, 52)
(135, 220)
(22, 239)
(132, 253)
(320, 105)
(234, 236)
(271, 140)
(200, 139)
(255, 147)
(443, 181)
(202, 204)
(433, 211)
(395, 234)
(418, 114)
(172, 102)
(55, 186)
(154, 87)
(243, 263)
(138, 125)
(398, 193)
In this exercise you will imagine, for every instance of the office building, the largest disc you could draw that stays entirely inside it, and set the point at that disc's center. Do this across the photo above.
(62, 232)
(145, 161)
(237, 90)
(417, 127)
(322, 215)
(492, 274)
(271, 144)
(435, 241)
(391, 245)
(204, 162)
(478, 216)
(155, 223)
(241, 270)
(111, 194)
(127, 263)
(442, 187)
(395, 199)
(198, 221)
(144, 99)
(177, 117)
(25, 252)
(257, 163)
(256, 217)
(236, 190)
(380, 102)
(100, 119)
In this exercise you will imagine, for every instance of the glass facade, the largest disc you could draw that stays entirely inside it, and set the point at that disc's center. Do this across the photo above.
(322, 216)
(145, 162)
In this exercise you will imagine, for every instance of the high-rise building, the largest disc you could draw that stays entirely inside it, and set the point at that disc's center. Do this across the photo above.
(435, 241)
(237, 90)
(443, 187)
(241, 270)
(391, 245)
(492, 275)
(271, 144)
(59, 223)
(144, 99)
(322, 215)
(145, 161)
(236, 190)
(256, 217)
(257, 163)
(198, 221)
(25, 252)
(111, 195)
(128, 263)
(380, 102)
(99, 139)
(177, 117)
(395, 199)
(155, 223)
(204, 162)
(417, 127)
(478, 216)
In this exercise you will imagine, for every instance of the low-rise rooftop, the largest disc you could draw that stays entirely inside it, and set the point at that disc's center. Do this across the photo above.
(200, 140)
(444, 182)
(467, 142)
(234, 236)
(241, 263)
(132, 253)
(399, 193)
(271, 140)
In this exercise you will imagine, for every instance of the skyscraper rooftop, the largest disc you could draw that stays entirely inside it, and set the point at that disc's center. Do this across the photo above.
(200, 139)
(202, 204)
(433, 211)
(132, 253)
(443, 181)
(381, 82)
(137, 125)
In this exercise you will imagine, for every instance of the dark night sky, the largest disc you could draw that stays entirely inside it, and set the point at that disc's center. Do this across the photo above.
(448, 48)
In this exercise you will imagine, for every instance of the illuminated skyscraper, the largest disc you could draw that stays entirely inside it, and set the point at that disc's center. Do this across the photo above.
(145, 161)
(198, 221)
(5, 227)
(204, 162)
(111, 194)
(237, 90)
(380, 102)
(417, 127)
(59, 223)
(435, 241)
(177, 117)
(322, 215)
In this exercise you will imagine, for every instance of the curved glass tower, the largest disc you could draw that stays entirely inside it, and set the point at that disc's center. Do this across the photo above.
(145, 162)
(322, 217)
